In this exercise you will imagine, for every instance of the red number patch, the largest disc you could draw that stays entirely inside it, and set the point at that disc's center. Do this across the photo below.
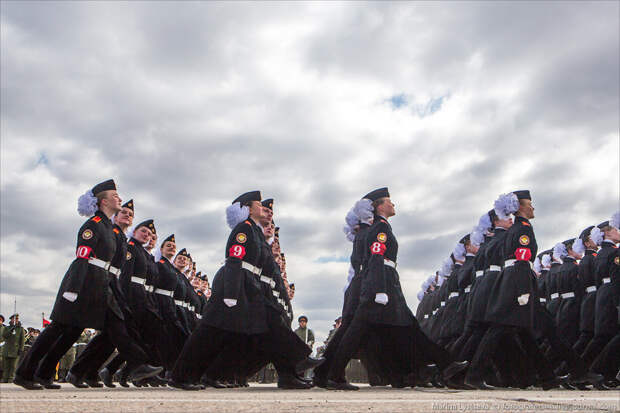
(237, 251)
(83, 252)
(523, 254)
(377, 248)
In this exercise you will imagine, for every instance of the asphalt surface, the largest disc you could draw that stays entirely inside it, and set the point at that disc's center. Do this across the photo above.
(269, 399)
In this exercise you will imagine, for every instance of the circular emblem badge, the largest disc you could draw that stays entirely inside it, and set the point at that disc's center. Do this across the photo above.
(524, 240)
(128, 255)
(382, 237)
(87, 234)
(241, 237)
(617, 260)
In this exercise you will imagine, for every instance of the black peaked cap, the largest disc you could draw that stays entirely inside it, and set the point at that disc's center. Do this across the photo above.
(377, 194)
(104, 186)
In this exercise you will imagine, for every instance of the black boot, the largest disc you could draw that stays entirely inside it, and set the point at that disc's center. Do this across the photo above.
(27, 384)
(106, 377)
(76, 381)
(47, 383)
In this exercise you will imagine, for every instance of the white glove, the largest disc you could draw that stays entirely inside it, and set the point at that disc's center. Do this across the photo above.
(70, 296)
(381, 298)
(231, 302)
(523, 299)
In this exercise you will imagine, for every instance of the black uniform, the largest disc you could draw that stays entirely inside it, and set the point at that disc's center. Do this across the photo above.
(586, 316)
(221, 324)
(571, 292)
(379, 276)
(513, 303)
(123, 334)
(606, 312)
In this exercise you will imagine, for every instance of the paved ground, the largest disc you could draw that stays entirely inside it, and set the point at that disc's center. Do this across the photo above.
(268, 399)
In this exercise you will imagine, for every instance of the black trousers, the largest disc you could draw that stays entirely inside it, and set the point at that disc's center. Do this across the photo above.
(399, 363)
(608, 362)
(582, 342)
(113, 335)
(594, 348)
(491, 342)
(45, 353)
(200, 350)
(321, 372)
(428, 349)
(560, 350)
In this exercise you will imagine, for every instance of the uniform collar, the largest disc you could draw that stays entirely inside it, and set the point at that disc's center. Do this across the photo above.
(608, 242)
(519, 218)
(569, 259)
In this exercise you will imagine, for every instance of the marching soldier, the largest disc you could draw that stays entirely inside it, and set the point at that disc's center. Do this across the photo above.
(85, 298)
(571, 292)
(588, 282)
(606, 311)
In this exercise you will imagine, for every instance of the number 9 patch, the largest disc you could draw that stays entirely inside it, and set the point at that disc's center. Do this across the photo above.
(524, 240)
(382, 237)
(241, 238)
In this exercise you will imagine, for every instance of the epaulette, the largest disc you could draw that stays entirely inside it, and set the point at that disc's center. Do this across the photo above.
(247, 222)
(527, 224)
(116, 231)
(384, 221)
(131, 243)
(594, 254)
(161, 261)
(97, 219)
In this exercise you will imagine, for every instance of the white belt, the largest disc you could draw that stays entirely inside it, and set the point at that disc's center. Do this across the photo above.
(468, 288)
(164, 292)
(191, 308)
(149, 288)
(479, 273)
(554, 296)
(276, 293)
(435, 310)
(443, 303)
(268, 281)
(199, 316)
(568, 295)
(425, 315)
(115, 271)
(389, 263)
(606, 280)
(510, 263)
(138, 280)
(495, 268)
(185, 305)
(252, 268)
(99, 263)
(543, 300)
(591, 289)
(179, 302)
(453, 294)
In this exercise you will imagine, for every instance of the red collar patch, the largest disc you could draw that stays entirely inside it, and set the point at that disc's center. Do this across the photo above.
(131, 243)
(97, 219)
(527, 224)
(162, 261)
(116, 231)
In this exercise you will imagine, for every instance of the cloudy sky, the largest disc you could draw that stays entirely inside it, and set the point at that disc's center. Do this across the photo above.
(186, 105)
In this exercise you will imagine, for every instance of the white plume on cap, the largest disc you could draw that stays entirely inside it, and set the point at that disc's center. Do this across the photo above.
(130, 232)
(559, 251)
(420, 295)
(430, 281)
(350, 222)
(537, 265)
(157, 254)
(459, 252)
(477, 236)
(615, 220)
(351, 219)
(485, 222)
(578, 246)
(546, 260)
(446, 267)
(87, 204)
(236, 213)
(596, 235)
(363, 210)
(505, 205)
